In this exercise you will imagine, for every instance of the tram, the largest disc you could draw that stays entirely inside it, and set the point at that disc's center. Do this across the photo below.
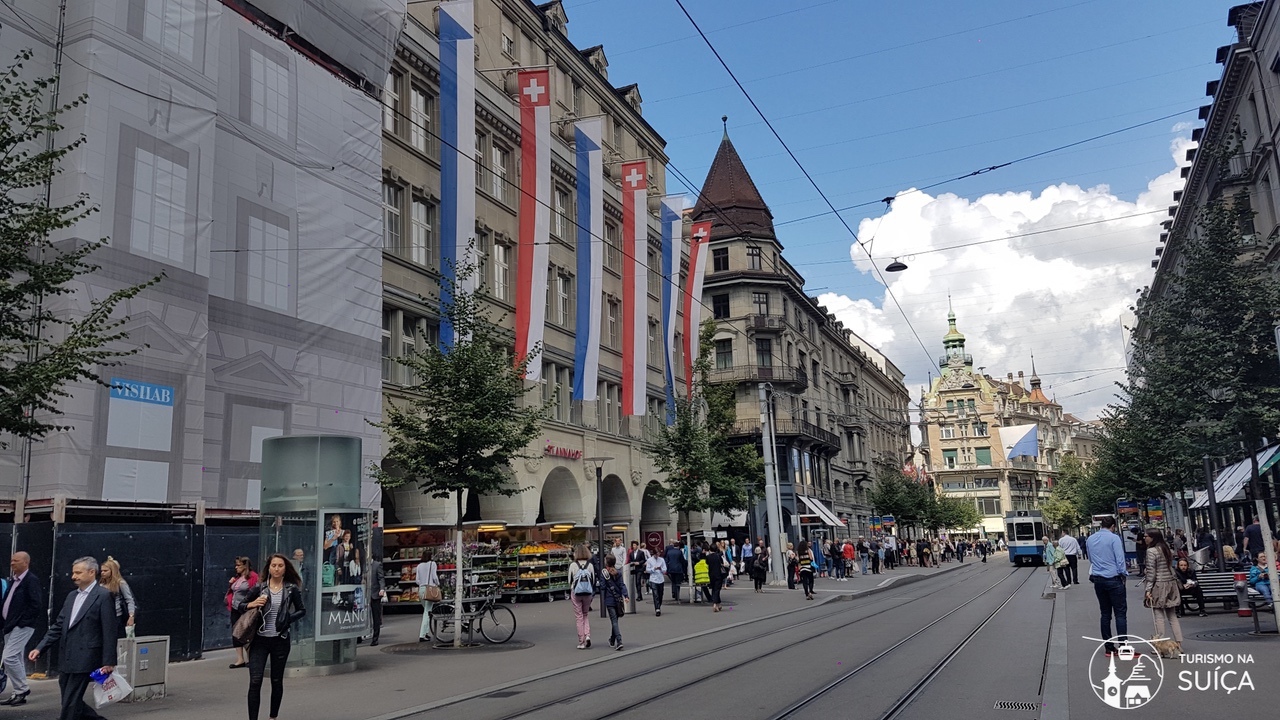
(1024, 534)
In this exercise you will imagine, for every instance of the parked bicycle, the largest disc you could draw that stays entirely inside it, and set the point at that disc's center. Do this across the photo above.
(495, 622)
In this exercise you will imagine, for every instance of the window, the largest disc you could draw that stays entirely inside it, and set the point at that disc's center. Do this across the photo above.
(170, 24)
(987, 483)
(154, 197)
(764, 352)
(501, 158)
(609, 407)
(949, 459)
(391, 230)
(612, 255)
(719, 259)
(577, 98)
(655, 355)
(404, 334)
(391, 103)
(980, 429)
(388, 354)
(611, 321)
(421, 241)
(264, 261)
(481, 141)
(617, 134)
(948, 432)
(564, 293)
(724, 354)
(501, 272)
(560, 222)
(720, 306)
(983, 456)
(655, 274)
(753, 259)
(951, 406)
(509, 47)
(972, 406)
(422, 108)
(989, 506)
(761, 302)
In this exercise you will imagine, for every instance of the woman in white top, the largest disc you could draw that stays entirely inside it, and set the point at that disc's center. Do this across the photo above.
(582, 588)
(426, 576)
(656, 567)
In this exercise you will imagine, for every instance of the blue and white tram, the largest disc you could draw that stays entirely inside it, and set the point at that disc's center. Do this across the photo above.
(1024, 533)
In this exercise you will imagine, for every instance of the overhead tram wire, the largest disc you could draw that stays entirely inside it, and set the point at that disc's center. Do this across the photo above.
(888, 290)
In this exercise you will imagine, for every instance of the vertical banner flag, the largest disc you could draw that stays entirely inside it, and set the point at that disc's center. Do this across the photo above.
(672, 244)
(693, 298)
(590, 179)
(535, 215)
(635, 295)
(457, 164)
(1022, 440)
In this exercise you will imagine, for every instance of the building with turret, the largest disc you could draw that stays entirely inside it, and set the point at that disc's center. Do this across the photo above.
(962, 415)
(839, 405)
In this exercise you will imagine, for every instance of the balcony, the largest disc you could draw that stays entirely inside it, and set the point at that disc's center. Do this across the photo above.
(943, 359)
(789, 428)
(795, 377)
(765, 322)
(846, 378)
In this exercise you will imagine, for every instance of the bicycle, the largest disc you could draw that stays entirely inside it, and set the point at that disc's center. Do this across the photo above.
(496, 623)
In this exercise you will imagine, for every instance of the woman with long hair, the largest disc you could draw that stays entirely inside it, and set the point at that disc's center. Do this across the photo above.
(280, 601)
(244, 580)
(1161, 586)
(121, 595)
(804, 556)
(582, 584)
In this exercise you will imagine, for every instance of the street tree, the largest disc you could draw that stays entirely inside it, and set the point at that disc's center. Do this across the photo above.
(466, 418)
(42, 349)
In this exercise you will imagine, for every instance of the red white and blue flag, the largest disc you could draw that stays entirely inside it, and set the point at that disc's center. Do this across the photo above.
(535, 216)
(589, 174)
(693, 298)
(457, 165)
(635, 295)
(672, 244)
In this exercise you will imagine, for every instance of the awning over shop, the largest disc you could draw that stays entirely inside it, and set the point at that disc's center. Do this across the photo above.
(1229, 487)
(733, 519)
(817, 508)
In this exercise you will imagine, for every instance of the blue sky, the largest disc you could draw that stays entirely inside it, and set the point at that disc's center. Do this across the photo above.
(880, 97)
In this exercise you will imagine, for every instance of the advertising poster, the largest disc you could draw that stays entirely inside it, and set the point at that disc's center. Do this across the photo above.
(887, 521)
(345, 544)
(875, 524)
(1155, 512)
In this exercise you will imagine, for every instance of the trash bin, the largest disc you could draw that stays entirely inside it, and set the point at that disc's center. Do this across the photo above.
(144, 662)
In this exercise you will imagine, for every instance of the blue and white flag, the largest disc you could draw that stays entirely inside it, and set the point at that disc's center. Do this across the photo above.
(590, 248)
(457, 163)
(1022, 440)
(672, 240)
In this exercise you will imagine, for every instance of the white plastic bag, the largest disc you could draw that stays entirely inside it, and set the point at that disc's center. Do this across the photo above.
(113, 689)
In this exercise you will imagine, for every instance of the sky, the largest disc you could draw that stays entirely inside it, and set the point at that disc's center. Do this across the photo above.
(880, 99)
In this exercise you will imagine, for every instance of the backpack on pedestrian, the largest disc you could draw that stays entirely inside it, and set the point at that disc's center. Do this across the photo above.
(584, 581)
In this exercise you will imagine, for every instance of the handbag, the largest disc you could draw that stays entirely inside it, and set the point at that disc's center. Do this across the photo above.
(246, 628)
(431, 593)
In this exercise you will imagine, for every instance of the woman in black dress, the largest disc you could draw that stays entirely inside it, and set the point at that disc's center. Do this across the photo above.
(718, 570)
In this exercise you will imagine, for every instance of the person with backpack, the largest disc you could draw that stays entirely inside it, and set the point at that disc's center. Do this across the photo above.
(676, 568)
(614, 596)
(582, 579)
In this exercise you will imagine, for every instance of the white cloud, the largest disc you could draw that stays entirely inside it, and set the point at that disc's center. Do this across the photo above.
(1060, 294)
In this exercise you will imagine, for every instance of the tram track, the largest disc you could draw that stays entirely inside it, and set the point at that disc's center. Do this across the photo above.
(964, 575)
(913, 692)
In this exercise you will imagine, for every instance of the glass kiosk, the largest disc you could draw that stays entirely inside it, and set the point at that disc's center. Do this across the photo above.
(311, 514)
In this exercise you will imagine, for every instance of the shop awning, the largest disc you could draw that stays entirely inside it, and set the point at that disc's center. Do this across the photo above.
(817, 508)
(1229, 487)
(733, 519)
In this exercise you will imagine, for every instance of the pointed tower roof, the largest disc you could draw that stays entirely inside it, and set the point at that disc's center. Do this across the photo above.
(1037, 395)
(953, 334)
(730, 199)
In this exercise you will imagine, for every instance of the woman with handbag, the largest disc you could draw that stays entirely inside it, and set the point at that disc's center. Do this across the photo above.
(121, 596)
(278, 602)
(240, 584)
(428, 594)
(805, 557)
(1160, 586)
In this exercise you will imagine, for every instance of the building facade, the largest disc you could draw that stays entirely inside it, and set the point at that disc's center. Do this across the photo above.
(512, 34)
(838, 405)
(962, 415)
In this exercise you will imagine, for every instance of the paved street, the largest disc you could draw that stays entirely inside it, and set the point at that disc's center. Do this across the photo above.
(952, 642)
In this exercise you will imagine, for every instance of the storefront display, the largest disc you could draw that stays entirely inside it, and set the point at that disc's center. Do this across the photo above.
(535, 570)
(407, 548)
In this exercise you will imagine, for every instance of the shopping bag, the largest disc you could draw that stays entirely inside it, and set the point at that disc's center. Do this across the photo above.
(114, 689)
(246, 628)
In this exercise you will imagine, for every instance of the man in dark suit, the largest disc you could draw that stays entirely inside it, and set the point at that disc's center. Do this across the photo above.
(86, 635)
(22, 607)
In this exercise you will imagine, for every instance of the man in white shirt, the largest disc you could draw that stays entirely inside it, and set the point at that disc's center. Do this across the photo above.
(85, 633)
(1071, 548)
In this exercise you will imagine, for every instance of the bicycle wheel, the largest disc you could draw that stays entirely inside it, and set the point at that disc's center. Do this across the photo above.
(442, 623)
(498, 624)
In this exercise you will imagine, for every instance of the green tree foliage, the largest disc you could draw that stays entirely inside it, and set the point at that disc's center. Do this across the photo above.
(704, 471)
(1204, 373)
(465, 420)
(41, 350)
(953, 513)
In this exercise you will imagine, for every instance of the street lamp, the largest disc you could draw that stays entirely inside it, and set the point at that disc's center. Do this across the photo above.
(599, 462)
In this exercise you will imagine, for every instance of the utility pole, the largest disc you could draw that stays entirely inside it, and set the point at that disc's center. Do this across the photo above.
(772, 506)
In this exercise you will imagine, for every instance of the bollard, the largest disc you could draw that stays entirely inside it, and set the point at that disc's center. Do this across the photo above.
(1242, 595)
